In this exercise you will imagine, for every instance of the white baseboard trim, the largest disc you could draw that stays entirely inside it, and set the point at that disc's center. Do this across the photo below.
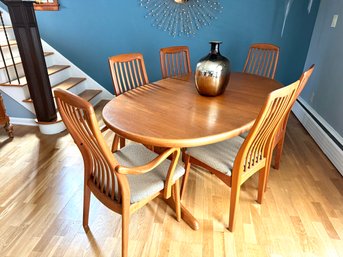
(23, 121)
(52, 129)
(330, 148)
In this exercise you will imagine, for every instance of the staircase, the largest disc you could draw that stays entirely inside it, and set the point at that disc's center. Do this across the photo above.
(62, 74)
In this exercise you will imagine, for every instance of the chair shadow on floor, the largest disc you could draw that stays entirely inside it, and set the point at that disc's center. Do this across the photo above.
(5, 141)
(93, 243)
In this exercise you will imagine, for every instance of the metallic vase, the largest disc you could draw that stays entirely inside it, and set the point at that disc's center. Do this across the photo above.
(212, 72)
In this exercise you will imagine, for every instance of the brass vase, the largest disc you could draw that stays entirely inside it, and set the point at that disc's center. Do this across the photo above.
(212, 72)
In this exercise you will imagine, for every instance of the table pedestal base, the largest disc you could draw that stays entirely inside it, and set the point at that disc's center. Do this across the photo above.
(185, 214)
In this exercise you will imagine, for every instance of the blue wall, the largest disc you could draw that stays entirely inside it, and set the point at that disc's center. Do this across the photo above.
(324, 91)
(14, 109)
(88, 32)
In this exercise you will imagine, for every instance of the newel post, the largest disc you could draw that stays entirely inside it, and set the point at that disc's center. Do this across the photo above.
(31, 52)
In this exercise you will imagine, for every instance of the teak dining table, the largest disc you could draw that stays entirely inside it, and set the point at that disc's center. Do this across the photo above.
(171, 113)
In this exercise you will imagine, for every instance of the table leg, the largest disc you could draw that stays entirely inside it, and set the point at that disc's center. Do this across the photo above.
(185, 214)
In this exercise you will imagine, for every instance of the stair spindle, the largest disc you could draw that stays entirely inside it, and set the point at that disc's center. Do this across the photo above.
(11, 53)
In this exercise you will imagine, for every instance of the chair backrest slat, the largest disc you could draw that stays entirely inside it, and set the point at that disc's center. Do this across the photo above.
(266, 66)
(262, 60)
(175, 61)
(122, 82)
(140, 75)
(135, 74)
(126, 77)
(128, 72)
(174, 65)
(79, 118)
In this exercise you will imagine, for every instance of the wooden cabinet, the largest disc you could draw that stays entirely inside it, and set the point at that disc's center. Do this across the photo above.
(4, 119)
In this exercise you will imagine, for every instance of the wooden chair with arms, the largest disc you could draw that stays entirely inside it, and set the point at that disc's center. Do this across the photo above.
(175, 61)
(262, 60)
(127, 72)
(125, 181)
(235, 160)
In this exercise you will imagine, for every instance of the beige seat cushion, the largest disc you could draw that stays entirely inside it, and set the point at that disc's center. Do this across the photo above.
(219, 156)
(149, 183)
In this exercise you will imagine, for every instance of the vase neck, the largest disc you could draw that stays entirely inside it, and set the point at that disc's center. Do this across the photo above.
(215, 47)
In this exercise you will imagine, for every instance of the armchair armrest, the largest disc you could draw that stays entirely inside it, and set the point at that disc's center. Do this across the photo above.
(146, 167)
(153, 164)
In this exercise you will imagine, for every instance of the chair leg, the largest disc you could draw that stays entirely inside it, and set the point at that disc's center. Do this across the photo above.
(262, 183)
(9, 129)
(122, 142)
(86, 204)
(187, 159)
(125, 229)
(151, 148)
(267, 172)
(176, 198)
(235, 189)
(278, 153)
(115, 143)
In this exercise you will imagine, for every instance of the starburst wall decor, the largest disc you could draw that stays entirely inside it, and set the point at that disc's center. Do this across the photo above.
(181, 17)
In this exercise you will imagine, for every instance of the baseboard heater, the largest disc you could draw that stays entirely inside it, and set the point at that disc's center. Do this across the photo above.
(330, 142)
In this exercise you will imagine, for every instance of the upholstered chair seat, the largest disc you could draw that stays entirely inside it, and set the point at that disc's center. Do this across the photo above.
(146, 184)
(219, 156)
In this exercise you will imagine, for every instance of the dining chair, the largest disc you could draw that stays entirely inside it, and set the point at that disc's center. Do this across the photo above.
(280, 135)
(128, 72)
(262, 60)
(124, 181)
(235, 160)
(175, 61)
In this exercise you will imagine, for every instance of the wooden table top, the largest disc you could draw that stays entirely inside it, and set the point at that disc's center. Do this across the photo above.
(171, 113)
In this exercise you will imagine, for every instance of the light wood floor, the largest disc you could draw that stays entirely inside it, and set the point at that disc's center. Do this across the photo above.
(41, 207)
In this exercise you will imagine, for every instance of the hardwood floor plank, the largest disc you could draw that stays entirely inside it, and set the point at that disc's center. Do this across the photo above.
(338, 184)
(330, 230)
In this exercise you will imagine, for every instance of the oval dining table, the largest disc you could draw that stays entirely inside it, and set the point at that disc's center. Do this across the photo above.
(171, 113)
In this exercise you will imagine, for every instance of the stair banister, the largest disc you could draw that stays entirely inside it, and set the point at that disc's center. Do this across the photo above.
(31, 52)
